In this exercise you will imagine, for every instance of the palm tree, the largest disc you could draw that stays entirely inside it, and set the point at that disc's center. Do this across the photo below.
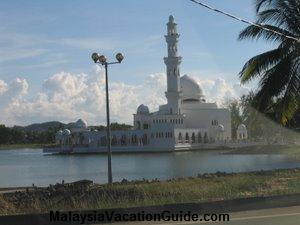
(278, 70)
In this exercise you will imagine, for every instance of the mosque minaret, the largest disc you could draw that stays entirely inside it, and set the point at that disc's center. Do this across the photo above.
(186, 122)
(172, 62)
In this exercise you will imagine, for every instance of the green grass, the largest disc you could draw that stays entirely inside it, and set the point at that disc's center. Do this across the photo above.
(206, 188)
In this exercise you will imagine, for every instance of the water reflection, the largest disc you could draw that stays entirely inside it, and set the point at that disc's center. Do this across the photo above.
(27, 166)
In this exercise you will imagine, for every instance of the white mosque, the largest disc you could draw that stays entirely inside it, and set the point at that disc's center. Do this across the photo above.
(186, 122)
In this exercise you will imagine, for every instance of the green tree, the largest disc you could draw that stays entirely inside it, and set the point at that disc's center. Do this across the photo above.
(236, 112)
(278, 70)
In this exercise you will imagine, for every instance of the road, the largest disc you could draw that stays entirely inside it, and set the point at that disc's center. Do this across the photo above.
(276, 216)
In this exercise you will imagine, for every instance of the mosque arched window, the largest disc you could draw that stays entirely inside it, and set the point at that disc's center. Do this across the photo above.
(199, 137)
(205, 138)
(138, 125)
(180, 137)
(145, 139)
(187, 137)
(193, 138)
(134, 139)
(103, 141)
(114, 140)
(123, 140)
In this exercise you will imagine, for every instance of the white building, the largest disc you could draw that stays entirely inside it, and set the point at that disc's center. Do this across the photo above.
(187, 121)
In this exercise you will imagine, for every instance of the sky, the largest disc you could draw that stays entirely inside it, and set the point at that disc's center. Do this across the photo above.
(46, 72)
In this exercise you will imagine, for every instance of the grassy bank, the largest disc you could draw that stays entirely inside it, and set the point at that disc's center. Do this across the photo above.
(20, 146)
(208, 187)
(267, 149)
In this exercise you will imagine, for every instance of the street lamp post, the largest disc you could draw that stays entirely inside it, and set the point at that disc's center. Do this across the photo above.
(101, 59)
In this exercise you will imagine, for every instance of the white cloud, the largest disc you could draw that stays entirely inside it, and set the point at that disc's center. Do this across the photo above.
(3, 87)
(67, 97)
(219, 90)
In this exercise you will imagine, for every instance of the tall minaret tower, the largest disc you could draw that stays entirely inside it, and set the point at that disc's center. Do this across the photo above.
(172, 62)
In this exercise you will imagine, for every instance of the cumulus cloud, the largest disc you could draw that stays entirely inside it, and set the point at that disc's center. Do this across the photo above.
(67, 97)
(3, 87)
(219, 90)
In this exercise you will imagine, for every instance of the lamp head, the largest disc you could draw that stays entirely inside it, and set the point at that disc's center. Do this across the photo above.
(119, 57)
(102, 59)
(95, 57)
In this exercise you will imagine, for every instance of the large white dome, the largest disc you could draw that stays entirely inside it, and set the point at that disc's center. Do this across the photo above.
(190, 89)
(81, 124)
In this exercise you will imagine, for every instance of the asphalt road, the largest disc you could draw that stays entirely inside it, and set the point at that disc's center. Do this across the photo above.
(276, 216)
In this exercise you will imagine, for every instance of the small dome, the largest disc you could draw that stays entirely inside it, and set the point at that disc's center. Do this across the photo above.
(242, 127)
(220, 128)
(66, 132)
(191, 91)
(59, 133)
(81, 124)
(142, 109)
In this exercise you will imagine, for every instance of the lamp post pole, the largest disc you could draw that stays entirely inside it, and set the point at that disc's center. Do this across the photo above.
(109, 170)
(100, 59)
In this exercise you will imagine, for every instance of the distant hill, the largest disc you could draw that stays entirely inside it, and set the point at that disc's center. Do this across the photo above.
(56, 125)
(41, 127)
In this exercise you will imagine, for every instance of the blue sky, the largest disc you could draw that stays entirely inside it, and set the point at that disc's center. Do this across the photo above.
(41, 38)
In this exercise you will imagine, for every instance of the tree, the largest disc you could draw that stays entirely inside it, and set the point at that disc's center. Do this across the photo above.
(277, 69)
(236, 116)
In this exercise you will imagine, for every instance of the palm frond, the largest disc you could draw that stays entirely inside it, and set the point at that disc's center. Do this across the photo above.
(274, 82)
(290, 102)
(261, 3)
(254, 32)
(260, 63)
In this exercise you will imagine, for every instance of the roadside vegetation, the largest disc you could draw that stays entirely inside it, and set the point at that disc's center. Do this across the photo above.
(204, 188)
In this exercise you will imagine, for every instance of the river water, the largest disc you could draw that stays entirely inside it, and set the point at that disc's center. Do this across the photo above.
(22, 167)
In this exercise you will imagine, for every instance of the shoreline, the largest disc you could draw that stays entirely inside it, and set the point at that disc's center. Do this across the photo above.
(255, 149)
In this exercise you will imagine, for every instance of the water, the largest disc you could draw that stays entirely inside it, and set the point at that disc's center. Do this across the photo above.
(22, 167)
